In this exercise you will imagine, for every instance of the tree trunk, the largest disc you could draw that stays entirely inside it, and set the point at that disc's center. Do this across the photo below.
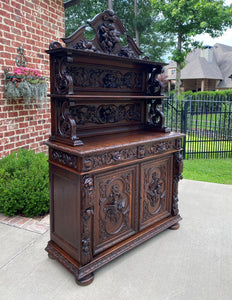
(178, 67)
(136, 29)
(110, 4)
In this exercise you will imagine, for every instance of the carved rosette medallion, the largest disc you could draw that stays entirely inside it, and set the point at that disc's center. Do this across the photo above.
(154, 191)
(114, 206)
(178, 169)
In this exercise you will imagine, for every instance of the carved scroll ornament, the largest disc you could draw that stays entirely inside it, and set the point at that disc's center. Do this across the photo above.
(67, 125)
(156, 118)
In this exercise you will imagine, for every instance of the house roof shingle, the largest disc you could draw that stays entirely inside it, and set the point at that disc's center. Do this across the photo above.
(218, 66)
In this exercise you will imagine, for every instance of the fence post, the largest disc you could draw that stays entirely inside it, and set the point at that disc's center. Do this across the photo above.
(184, 118)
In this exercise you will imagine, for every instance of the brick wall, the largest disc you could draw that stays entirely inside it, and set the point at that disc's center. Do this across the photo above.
(34, 24)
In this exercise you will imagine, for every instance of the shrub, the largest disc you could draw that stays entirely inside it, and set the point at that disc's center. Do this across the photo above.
(24, 184)
(206, 95)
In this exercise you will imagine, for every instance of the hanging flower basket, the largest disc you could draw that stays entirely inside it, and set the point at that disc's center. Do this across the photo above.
(25, 83)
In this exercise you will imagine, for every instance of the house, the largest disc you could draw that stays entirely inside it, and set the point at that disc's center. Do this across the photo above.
(205, 69)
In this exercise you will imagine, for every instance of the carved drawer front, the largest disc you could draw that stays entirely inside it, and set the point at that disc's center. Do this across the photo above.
(155, 201)
(115, 209)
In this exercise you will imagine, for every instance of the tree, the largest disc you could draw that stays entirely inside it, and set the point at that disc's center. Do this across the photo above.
(152, 43)
(187, 18)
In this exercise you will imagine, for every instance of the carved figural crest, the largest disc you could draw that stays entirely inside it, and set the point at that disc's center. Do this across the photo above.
(108, 31)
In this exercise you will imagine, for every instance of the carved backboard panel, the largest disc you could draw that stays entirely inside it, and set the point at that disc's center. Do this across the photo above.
(115, 207)
(155, 191)
(108, 31)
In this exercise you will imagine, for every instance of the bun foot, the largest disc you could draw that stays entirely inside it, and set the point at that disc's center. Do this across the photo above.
(85, 280)
(175, 226)
(51, 256)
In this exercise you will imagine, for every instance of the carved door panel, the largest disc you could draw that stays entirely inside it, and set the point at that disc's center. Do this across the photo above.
(115, 211)
(155, 201)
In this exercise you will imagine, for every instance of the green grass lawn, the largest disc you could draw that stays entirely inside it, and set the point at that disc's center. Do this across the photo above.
(210, 170)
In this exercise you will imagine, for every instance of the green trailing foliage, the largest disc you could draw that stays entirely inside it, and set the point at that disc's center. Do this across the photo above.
(24, 184)
(25, 83)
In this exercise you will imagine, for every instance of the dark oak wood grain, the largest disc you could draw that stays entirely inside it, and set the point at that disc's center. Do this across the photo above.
(114, 165)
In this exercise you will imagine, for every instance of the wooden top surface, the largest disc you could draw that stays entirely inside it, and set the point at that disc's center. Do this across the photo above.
(114, 141)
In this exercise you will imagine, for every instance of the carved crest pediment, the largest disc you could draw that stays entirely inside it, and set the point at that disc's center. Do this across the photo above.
(108, 30)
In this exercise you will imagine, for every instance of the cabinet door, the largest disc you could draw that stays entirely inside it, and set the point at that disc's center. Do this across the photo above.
(115, 210)
(156, 187)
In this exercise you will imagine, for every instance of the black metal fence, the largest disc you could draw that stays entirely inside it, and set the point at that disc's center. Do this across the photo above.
(206, 123)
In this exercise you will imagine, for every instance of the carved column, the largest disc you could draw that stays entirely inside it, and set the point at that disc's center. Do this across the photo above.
(87, 211)
(178, 169)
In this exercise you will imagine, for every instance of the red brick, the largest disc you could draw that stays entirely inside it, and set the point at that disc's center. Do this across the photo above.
(14, 139)
(5, 13)
(20, 144)
(40, 138)
(20, 131)
(5, 27)
(29, 141)
(38, 127)
(9, 146)
(33, 123)
(21, 39)
(9, 133)
(25, 136)
(23, 125)
(16, 31)
(23, 113)
(16, 4)
(8, 35)
(34, 134)
(19, 120)
(16, 18)
(12, 114)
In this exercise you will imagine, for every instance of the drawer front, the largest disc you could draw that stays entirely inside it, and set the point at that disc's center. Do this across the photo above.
(156, 188)
(116, 206)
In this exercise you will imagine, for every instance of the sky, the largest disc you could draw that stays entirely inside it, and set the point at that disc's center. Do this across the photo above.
(225, 39)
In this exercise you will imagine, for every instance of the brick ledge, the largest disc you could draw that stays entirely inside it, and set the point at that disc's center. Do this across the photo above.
(37, 224)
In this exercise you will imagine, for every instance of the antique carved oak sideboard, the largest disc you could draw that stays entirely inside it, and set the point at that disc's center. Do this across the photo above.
(114, 166)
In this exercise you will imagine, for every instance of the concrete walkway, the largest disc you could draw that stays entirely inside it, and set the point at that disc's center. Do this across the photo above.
(194, 262)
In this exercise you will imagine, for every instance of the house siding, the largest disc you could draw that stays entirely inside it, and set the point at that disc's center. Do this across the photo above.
(34, 24)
